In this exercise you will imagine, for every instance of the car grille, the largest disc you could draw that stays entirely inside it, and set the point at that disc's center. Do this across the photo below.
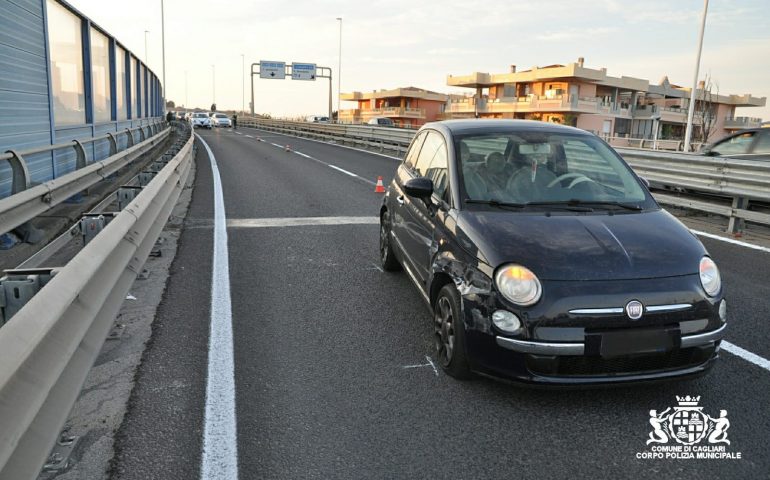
(584, 366)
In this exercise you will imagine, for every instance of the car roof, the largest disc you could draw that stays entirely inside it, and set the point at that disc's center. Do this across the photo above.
(474, 125)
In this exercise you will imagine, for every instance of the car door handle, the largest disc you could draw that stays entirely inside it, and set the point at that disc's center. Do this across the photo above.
(400, 199)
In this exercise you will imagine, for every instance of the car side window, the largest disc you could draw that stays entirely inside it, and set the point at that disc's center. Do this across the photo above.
(411, 155)
(433, 141)
(734, 146)
(438, 172)
(763, 144)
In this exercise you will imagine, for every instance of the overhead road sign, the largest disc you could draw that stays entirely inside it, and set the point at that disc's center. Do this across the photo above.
(275, 70)
(303, 71)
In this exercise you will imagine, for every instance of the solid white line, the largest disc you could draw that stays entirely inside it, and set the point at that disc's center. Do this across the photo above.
(238, 133)
(343, 171)
(746, 355)
(299, 221)
(249, 136)
(304, 155)
(276, 145)
(220, 449)
(730, 240)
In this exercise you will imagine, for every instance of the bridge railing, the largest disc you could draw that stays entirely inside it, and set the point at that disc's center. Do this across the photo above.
(28, 201)
(740, 180)
(51, 342)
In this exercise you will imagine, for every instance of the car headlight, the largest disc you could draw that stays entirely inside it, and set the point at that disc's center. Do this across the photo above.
(709, 276)
(518, 284)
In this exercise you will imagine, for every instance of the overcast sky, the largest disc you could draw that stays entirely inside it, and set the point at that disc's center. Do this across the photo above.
(389, 44)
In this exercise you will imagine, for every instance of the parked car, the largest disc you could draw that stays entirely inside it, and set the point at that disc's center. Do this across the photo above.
(381, 122)
(749, 144)
(317, 119)
(201, 119)
(221, 120)
(545, 259)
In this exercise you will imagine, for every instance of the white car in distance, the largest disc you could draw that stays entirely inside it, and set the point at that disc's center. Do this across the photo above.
(221, 120)
(201, 119)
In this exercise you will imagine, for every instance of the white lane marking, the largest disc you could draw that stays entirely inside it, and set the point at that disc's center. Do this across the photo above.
(730, 240)
(333, 145)
(746, 355)
(220, 448)
(422, 365)
(276, 145)
(249, 136)
(304, 155)
(299, 221)
(238, 133)
(343, 170)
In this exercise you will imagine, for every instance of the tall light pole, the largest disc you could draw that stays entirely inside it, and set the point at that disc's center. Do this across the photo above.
(163, 43)
(186, 105)
(145, 47)
(339, 72)
(243, 83)
(213, 85)
(691, 109)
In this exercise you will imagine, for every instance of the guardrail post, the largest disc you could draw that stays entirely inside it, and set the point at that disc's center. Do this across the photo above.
(113, 143)
(130, 138)
(80, 150)
(19, 170)
(737, 224)
(142, 137)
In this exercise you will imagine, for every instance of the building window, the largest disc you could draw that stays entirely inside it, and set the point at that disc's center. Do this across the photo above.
(65, 37)
(100, 75)
(120, 83)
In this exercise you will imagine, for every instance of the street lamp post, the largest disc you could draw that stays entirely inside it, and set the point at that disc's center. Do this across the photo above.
(213, 85)
(339, 72)
(186, 105)
(163, 43)
(243, 83)
(691, 109)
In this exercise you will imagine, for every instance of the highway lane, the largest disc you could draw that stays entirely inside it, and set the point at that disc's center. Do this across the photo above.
(332, 356)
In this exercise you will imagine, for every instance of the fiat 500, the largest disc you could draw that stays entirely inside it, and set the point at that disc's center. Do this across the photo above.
(543, 258)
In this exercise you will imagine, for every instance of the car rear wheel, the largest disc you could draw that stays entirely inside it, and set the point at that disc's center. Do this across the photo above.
(387, 258)
(449, 334)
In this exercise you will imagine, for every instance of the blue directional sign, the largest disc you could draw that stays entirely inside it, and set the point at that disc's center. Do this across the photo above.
(272, 70)
(303, 71)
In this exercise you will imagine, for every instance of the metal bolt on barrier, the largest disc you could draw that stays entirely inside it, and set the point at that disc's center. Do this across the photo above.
(126, 195)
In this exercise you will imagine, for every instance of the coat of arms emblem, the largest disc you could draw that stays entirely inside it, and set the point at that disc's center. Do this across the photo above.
(687, 424)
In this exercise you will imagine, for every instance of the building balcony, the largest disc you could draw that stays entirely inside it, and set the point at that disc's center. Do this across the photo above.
(738, 123)
(535, 104)
(393, 112)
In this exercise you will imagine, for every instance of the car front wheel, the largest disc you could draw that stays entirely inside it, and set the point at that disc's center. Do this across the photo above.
(449, 334)
(387, 258)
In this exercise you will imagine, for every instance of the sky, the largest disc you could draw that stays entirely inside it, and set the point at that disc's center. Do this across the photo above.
(398, 43)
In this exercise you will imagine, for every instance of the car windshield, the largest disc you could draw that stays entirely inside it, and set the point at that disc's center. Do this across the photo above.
(200, 115)
(527, 168)
(221, 115)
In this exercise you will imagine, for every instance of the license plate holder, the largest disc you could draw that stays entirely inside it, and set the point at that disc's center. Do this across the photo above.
(633, 341)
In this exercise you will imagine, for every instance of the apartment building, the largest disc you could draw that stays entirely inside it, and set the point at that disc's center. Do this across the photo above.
(408, 107)
(590, 99)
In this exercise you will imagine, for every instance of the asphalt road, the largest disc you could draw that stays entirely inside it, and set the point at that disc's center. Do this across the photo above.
(333, 374)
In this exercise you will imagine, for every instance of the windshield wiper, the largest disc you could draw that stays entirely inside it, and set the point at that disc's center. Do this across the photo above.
(586, 203)
(520, 206)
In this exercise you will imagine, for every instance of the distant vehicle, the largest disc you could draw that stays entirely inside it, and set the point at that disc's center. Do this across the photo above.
(545, 259)
(201, 119)
(381, 122)
(749, 144)
(317, 119)
(220, 120)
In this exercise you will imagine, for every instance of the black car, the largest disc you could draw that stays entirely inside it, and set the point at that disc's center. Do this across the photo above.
(545, 259)
(749, 144)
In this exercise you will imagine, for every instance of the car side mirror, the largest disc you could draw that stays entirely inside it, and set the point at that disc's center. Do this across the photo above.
(419, 187)
(710, 153)
(645, 182)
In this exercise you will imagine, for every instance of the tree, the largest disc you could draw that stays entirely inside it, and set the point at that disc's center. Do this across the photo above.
(213, 107)
(170, 104)
(705, 118)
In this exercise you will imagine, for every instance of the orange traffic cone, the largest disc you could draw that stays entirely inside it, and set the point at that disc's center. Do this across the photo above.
(288, 148)
(380, 188)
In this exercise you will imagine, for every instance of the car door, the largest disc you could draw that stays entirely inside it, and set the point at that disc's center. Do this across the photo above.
(397, 207)
(761, 149)
(419, 216)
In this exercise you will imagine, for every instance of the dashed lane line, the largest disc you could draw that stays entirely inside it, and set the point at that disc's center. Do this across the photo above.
(746, 355)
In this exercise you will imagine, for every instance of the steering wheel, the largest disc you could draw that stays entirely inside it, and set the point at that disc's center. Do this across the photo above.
(578, 178)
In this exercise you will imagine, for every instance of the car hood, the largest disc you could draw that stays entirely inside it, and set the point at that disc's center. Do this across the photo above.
(650, 244)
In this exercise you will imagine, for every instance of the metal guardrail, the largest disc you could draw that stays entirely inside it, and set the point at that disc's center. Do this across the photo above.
(27, 202)
(741, 180)
(50, 344)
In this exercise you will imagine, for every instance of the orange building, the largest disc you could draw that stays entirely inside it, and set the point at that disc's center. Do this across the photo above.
(408, 107)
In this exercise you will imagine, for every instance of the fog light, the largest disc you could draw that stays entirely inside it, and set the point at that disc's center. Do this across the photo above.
(723, 311)
(506, 321)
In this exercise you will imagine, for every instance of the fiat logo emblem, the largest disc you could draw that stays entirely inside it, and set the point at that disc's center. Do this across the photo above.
(634, 310)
